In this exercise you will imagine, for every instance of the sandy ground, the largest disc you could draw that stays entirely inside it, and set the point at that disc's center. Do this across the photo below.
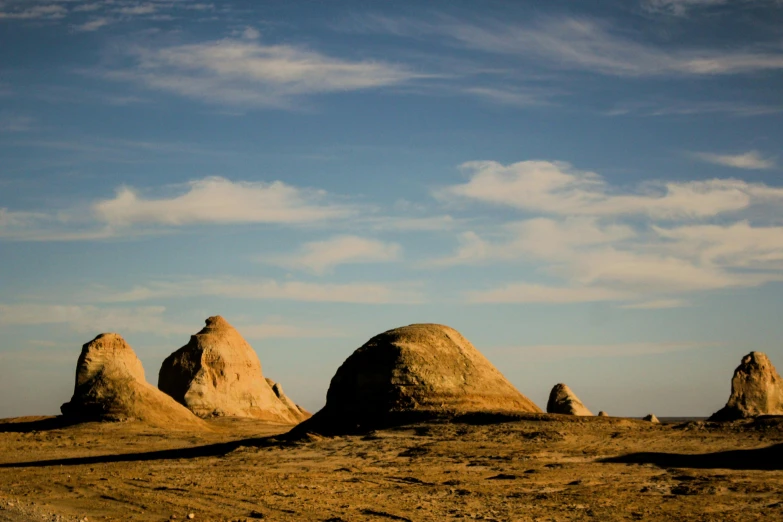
(533, 468)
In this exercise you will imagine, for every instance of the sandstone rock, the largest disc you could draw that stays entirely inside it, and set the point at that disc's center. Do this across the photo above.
(413, 372)
(110, 385)
(563, 400)
(218, 374)
(652, 418)
(756, 389)
(603, 414)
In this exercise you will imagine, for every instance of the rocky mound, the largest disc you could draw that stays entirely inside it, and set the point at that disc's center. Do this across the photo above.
(110, 385)
(413, 372)
(650, 417)
(603, 414)
(563, 400)
(756, 389)
(218, 374)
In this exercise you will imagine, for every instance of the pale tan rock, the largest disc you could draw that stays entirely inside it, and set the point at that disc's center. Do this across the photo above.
(652, 418)
(563, 400)
(218, 374)
(603, 414)
(420, 369)
(756, 389)
(110, 385)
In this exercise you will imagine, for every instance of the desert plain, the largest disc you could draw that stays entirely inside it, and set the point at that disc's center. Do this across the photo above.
(483, 467)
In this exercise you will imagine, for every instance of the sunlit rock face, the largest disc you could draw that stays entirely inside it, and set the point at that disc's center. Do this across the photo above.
(418, 369)
(219, 374)
(110, 385)
(756, 389)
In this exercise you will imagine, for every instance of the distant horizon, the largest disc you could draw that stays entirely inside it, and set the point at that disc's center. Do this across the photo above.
(591, 193)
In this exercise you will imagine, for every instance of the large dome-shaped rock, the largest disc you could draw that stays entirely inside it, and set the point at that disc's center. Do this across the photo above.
(410, 373)
(110, 385)
(756, 389)
(563, 400)
(218, 374)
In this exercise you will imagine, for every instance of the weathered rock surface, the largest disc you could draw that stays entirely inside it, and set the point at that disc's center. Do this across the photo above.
(756, 389)
(413, 372)
(218, 374)
(563, 400)
(652, 418)
(110, 385)
(603, 414)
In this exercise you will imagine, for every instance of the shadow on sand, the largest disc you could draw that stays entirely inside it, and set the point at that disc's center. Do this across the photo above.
(42, 424)
(209, 450)
(769, 458)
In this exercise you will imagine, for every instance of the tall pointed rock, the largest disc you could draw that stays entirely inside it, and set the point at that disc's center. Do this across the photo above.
(218, 374)
(756, 389)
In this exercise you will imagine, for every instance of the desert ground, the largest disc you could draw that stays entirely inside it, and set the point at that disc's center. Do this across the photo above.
(474, 467)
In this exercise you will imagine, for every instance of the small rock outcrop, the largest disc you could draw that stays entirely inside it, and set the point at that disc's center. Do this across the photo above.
(603, 414)
(110, 385)
(756, 389)
(652, 418)
(218, 374)
(563, 400)
(414, 372)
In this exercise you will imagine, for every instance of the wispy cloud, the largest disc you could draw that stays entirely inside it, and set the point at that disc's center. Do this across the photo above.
(679, 7)
(246, 72)
(558, 188)
(657, 304)
(752, 160)
(578, 44)
(322, 256)
(534, 293)
(16, 123)
(93, 25)
(265, 289)
(45, 12)
(91, 320)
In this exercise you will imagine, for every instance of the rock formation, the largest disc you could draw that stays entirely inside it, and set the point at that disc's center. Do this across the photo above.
(756, 389)
(603, 414)
(218, 374)
(110, 385)
(652, 418)
(563, 400)
(410, 373)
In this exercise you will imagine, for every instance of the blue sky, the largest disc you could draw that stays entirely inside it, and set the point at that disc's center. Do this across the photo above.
(590, 192)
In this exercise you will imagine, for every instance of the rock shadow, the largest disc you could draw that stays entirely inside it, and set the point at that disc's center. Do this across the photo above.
(45, 424)
(208, 450)
(763, 459)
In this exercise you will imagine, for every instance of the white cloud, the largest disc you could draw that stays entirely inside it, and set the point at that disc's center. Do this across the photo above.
(512, 97)
(422, 224)
(265, 289)
(221, 201)
(322, 256)
(534, 293)
(246, 72)
(557, 188)
(750, 160)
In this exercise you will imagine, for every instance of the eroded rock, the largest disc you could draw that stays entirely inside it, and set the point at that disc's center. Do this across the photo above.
(219, 374)
(414, 371)
(110, 385)
(563, 400)
(756, 389)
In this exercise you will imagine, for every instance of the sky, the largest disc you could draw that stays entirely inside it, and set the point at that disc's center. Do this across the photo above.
(590, 192)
